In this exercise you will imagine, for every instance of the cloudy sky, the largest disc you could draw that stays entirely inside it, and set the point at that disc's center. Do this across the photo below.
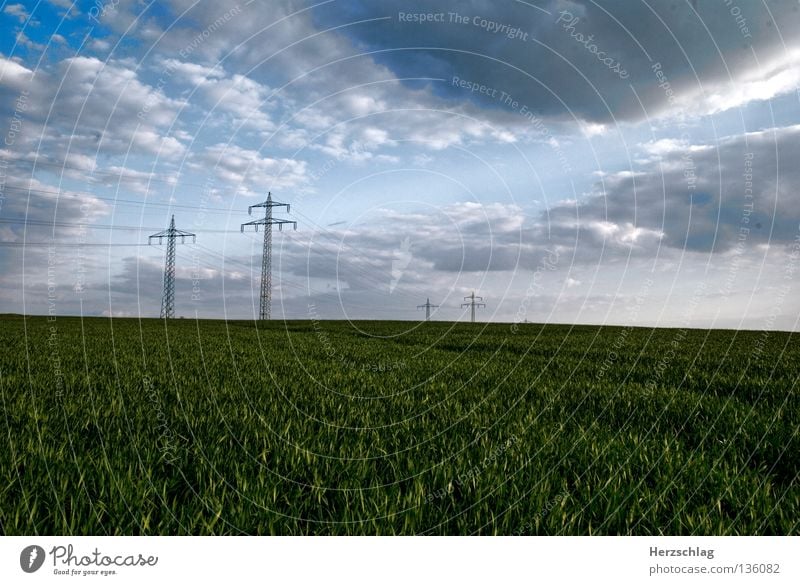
(574, 161)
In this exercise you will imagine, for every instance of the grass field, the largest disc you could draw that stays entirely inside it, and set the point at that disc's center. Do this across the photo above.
(307, 427)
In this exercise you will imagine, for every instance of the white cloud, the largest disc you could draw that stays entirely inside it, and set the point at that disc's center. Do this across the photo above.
(13, 74)
(779, 76)
(250, 172)
(16, 10)
(27, 42)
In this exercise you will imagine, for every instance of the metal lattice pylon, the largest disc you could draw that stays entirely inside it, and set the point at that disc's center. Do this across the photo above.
(427, 306)
(472, 304)
(265, 300)
(171, 234)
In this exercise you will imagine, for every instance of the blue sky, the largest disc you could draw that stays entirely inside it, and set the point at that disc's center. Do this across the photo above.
(428, 149)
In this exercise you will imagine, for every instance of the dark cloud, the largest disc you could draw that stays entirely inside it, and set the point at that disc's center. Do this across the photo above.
(701, 198)
(549, 70)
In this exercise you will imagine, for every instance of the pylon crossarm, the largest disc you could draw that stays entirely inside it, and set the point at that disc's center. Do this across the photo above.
(272, 221)
(267, 204)
(170, 234)
(281, 222)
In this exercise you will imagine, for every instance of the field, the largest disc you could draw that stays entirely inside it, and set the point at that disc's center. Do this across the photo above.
(306, 427)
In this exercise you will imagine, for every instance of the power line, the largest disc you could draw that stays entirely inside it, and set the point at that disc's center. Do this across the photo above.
(67, 245)
(120, 175)
(63, 193)
(43, 223)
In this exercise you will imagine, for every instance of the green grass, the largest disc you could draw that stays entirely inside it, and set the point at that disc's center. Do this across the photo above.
(126, 427)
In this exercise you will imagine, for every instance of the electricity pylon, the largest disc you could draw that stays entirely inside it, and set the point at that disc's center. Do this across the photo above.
(266, 258)
(172, 234)
(428, 306)
(472, 298)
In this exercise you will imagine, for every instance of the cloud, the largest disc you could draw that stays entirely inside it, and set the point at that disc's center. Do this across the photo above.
(465, 237)
(62, 3)
(244, 99)
(552, 64)
(248, 170)
(701, 198)
(14, 75)
(88, 105)
(16, 10)
(320, 93)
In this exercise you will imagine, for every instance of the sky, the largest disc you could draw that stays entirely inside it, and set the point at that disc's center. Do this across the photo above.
(629, 162)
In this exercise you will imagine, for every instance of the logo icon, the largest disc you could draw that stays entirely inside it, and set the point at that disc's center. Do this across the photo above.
(31, 558)
(402, 258)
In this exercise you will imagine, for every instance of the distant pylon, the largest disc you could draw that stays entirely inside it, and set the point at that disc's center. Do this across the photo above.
(265, 302)
(472, 304)
(428, 306)
(172, 234)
